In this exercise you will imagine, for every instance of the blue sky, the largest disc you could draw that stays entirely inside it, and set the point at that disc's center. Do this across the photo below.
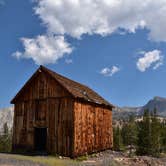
(122, 59)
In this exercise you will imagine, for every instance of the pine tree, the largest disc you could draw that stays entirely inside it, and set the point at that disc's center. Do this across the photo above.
(117, 143)
(163, 136)
(155, 134)
(124, 134)
(144, 135)
(129, 132)
(132, 133)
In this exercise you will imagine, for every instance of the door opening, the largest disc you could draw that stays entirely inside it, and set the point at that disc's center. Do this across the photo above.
(40, 139)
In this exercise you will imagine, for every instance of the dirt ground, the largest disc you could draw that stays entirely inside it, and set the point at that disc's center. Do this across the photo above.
(111, 158)
(105, 158)
(7, 161)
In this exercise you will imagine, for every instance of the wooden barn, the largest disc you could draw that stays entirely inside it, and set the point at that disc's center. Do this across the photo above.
(59, 116)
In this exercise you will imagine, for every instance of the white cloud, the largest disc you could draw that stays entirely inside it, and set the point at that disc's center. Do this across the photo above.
(103, 17)
(44, 49)
(109, 72)
(78, 17)
(152, 58)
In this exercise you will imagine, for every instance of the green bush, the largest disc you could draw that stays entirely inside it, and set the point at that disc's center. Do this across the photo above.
(6, 140)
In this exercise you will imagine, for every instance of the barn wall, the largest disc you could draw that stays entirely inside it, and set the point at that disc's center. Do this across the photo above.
(23, 125)
(92, 128)
(41, 87)
(44, 103)
(73, 127)
(61, 131)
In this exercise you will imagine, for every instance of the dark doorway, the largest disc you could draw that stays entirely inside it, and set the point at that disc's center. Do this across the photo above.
(40, 139)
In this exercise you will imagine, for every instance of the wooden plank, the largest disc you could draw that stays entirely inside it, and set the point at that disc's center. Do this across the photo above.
(93, 128)
(74, 128)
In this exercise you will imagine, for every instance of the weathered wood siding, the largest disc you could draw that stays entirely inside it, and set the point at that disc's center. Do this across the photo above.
(23, 125)
(73, 127)
(41, 87)
(61, 126)
(44, 103)
(92, 128)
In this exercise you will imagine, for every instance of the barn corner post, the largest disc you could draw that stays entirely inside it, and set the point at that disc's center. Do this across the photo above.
(60, 116)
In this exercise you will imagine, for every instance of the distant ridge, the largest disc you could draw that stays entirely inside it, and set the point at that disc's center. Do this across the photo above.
(157, 102)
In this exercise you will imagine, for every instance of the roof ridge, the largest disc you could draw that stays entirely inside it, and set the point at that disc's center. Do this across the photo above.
(84, 91)
(76, 89)
(64, 77)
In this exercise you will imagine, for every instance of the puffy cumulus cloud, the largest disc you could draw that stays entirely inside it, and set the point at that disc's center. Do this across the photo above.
(78, 17)
(44, 49)
(152, 58)
(109, 71)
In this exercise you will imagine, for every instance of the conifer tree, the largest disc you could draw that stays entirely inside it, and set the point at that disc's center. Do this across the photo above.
(117, 143)
(124, 134)
(163, 136)
(155, 134)
(144, 135)
(129, 132)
